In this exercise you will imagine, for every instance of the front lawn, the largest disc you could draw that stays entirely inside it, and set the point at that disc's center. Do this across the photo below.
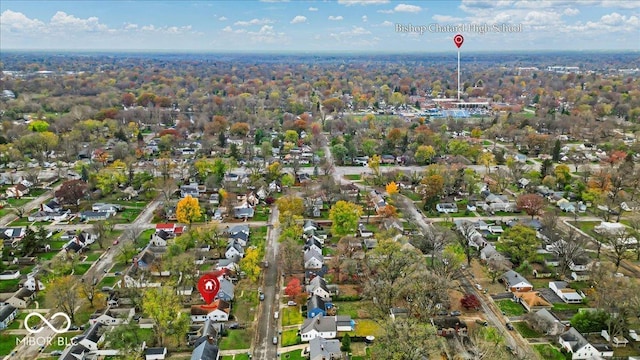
(293, 355)
(145, 237)
(8, 286)
(291, 316)
(7, 343)
(290, 337)
(510, 308)
(526, 332)
(46, 256)
(107, 281)
(128, 215)
(549, 352)
(236, 339)
(81, 269)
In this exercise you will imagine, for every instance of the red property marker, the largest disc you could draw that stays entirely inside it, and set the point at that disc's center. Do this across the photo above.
(458, 40)
(208, 285)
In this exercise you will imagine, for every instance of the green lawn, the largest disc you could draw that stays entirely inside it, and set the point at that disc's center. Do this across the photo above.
(564, 306)
(548, 352)
(526, 332)
(7, 286)
(128, 215)
(145, 237)
(108, 281)
(353, 177)
(18, 202)
(411, 195)
(247, 300)
(261, 214)
(61, 341)
(236, 339)
(93, 256)
(355, 309)
(291, 315)
(510, 308)
(57, 244)
(365, 327)
(47, 256)
(293, 355)
(290, 337)
(7, 343)
(81, 269)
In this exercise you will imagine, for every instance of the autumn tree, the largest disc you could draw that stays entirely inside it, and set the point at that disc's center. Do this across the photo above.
(127, 338)
(532, 204)
(407, 339)
(89, 291)
(430, 188)
(250, 264)
(188, 210)
(293, 288)
(344, 216)
(61, 294)
(71, 192)
(289, 206)
(470, 301)
(520, 243)
(164, 307)
(391, 188)
(424, 154)
(239, 129)
(289, 255)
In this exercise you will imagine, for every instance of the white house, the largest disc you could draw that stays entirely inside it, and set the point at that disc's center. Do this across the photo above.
(155, 353)
(160, 238)
(580, 348)
(234, 249)
(218, 311)
(319, 326)
(318, 286)
(313, 260)
(567, 294)
(31, 284)
(447, 208)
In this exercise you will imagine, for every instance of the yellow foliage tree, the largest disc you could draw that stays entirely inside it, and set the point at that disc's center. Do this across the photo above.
(250, 264)
(188, 210)
(392, 188)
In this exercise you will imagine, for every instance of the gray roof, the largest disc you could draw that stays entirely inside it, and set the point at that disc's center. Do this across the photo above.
(513, 277)
(227, 287)
(319, 323)
(317, 282)
(546, 315)
(320, 348)
(238, 228)
(316, 302)
(5, 311)
(205, 351)
(574, 338)
(93, 334)
(313, 254)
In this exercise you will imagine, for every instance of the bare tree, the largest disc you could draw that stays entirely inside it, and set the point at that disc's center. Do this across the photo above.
(619, 242)
(568, 249)
(432, 242)
(467, 232)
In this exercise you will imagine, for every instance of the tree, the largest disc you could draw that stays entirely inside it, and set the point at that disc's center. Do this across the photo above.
(346, 343)
(407, 339)
(126, 252)
(289, 206)
(391, 188)
(532, 204)
(520, 243)
(289, 255)
(467, 232)
(293, 288)
(557, 147)
(432, 242)
(568, 249)
(62, 295)
(424, 154)
(127, 338)
(250, 264)
(90, 291)
(619, 243)
(374, 165)
(164, 306)
(430, 188)
(71, 192)
(188, 210)
(31, 242)
(239, 129)
(470, 301)
(487, 159)
(344, 216)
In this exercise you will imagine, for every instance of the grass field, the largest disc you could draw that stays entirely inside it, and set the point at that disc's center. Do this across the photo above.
(526, 332)
(107, 281)
(510, 308)
(9, 285)
(47, 256)
(353, 177)
(7, 343)
(291, 316)
(549, 352)
(81, 269)
(145, 237)
(365, 327)
(293, 355)
(289, 337)
(236, 339)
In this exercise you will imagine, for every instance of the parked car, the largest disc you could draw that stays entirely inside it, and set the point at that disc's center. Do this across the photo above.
(455, 313)
(116, 242)
(482, 322)
(509, 326)
(478, 286)
(291, 303)
(261, 297)
(276, 315)
(275, 340)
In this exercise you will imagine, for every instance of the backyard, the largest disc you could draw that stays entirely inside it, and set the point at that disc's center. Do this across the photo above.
(510, 308)
(236, 339)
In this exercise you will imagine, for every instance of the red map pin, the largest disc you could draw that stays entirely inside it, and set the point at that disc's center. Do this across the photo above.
(458, 40)
(208, 285)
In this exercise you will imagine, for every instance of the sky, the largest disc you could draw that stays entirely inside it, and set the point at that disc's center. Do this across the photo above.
(320, 26)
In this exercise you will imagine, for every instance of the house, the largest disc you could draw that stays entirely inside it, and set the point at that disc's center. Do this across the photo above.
(447, 208)
(523, 182)
(317, 306)
(551, 324)
(12, 233)
(312, 244)
(572, 341)
(112, 209)
(160, 238)
(92, 337)
(234, 249)
(171, 228)
(111, 317)
(344, 323)
(207, 350)
(217, 311)
(323, 349)
(214, 199)
(208, 330)
(580, 275)
(515, 282)
(22, 298)
(318, 287)
(229, 264)
(318, 326)
(51, 207)
(243, 228)
(243, 212)
(241, 237)
(226, 291)
(10, 274)
(580, 264)
(377, 200)
(192, 189)
(630, 206)
(449, 326)
(17, 191)
(567, 294)
(7, 314)
(313, 260)
(349, 190)
(531, 301)
(94, 215)
(155, 353)
(32, 284)
(150, 260)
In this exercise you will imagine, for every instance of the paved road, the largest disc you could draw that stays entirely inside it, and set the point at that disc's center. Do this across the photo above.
(267, 328)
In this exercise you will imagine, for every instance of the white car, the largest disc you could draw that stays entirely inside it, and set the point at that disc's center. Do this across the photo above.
(276, 315)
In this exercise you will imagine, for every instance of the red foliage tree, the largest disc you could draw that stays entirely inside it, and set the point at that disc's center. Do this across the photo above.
(293, 289)
(71, 192)
(470, 301)
(532, 204)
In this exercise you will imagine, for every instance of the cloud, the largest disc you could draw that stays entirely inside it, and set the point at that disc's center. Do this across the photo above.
(407, 8)
(254, 22)
(128, 26)
(299, 19)
(17, 21)
(335, 18)
(390, 11)
(364, 18)
(362, 2)
(445, 18)
(222, 18)
(386, 23)
(313, 9)
(571, 11)
(69, 22)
